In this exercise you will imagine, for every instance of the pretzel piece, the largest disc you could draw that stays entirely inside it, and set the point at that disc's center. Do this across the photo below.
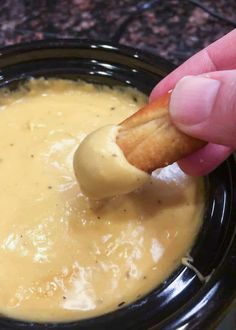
(150, 140)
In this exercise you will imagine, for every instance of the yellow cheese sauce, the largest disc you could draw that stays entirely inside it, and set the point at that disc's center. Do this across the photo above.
(64, 257)
(101, 168)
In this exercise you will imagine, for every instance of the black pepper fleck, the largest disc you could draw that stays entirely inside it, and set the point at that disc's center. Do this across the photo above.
(64, 297)
(49, 187)
(114, 155)
(32, 156)
(11, 144)
(112, 108)
(98, 217)
(144, 277)
(135, 99)
(121, 303)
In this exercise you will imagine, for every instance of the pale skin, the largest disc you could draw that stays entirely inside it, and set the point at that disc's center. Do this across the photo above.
(203, 104)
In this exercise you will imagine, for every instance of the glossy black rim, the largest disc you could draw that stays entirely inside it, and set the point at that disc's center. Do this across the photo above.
(183, 301)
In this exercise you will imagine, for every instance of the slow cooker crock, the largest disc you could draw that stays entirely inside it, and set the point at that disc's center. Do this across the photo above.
(182, 301)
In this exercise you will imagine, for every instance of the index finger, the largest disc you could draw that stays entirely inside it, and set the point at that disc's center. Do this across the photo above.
(220, 55)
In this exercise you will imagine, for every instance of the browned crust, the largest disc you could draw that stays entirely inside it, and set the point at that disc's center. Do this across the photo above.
(149, 140)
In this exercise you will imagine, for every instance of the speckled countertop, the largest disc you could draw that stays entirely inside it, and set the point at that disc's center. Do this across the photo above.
(173, 29)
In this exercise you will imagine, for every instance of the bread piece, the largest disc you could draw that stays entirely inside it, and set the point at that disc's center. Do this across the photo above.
(149, 139)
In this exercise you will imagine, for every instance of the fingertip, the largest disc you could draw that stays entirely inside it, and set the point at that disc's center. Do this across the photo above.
(192, 101)
(155, 93)
(161, 88)
(205, 160)
(190, 165)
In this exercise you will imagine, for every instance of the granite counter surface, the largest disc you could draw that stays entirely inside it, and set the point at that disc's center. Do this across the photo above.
(172, 29)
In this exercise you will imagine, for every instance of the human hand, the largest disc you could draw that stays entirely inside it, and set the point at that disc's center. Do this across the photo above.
(203, 103)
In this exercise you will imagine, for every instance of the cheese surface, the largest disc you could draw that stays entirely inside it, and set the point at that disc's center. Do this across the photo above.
(63, 256)
(101, 167)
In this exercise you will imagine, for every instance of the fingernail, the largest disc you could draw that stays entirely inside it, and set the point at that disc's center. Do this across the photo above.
(193, 99)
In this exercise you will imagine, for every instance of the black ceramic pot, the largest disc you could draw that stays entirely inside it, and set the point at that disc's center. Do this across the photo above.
(183, 301)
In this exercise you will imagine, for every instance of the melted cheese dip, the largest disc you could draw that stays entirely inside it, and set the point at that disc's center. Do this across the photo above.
(64, 257)
(101, 167)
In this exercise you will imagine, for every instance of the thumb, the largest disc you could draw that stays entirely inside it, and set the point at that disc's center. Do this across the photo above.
(205, 107)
